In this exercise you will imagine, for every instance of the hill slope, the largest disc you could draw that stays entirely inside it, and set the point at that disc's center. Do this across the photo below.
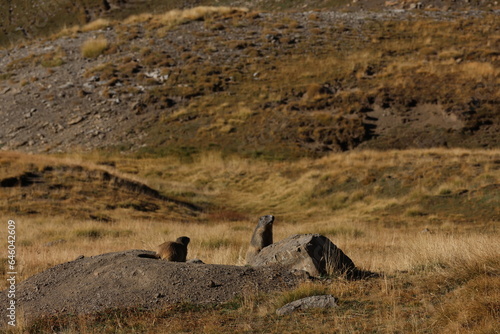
(30, 19)
(49, 188)
(277, 85)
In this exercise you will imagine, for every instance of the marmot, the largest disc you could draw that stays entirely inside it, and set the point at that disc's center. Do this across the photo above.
(262, 237)
(175, 251)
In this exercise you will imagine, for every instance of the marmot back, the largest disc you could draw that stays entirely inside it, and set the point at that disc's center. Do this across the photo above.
(175, 251)
(262, 236)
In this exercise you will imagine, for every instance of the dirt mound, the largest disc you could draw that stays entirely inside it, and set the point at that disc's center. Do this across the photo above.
(81, 192)
(126, 279)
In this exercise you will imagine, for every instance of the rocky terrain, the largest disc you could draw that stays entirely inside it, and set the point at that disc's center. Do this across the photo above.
(242, 81)
(29, 19)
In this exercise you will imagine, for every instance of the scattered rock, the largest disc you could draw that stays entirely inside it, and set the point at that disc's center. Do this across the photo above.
(325, 301)
(75, 120)
(195, 261)
(88, 86)
(67, 85)
(313, 253)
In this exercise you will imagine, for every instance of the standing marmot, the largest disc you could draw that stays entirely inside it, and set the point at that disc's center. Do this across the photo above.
(262, 237)
(175, 251)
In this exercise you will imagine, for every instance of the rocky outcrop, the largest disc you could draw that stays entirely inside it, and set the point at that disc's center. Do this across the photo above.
(313, 253)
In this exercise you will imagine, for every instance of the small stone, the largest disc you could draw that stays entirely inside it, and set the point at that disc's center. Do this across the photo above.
(75, 120)
(325, 301)
(195, 261)
(66, 85)
(57, 127)
(88, 86)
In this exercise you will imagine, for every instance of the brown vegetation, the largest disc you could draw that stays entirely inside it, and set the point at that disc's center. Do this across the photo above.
(270, 85)
(374, 205)
(94, 47)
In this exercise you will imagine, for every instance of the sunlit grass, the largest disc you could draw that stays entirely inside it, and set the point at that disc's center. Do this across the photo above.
(430, 261)
(94, 47)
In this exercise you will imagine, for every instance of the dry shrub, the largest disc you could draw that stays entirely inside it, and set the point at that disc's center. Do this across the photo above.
(473, 307)
(176, 16)
(94, 47)
(53, 59)
(96, 25)
(478, 70)
(138, 18)
(67, 31)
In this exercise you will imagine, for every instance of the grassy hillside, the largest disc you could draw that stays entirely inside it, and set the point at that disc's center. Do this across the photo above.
(271, 85)
(428, 220)
(28, 19)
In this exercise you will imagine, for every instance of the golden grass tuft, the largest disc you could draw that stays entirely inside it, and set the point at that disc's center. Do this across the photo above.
(302, 291)
(134, 19)
(94, 47)
(176, 16)
(478, 70)
(96, 25)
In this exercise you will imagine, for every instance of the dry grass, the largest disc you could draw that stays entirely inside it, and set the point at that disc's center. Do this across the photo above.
(96, 25)
(176, 16)
(373, 205)
(94, 47)
(173, 18)
(427, 276)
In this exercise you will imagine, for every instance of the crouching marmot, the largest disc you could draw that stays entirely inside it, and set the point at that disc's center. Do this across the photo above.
(262, 237)
(175, 251)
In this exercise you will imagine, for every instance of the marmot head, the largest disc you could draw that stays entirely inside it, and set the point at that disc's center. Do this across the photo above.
(183, 240)
(266, 220)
